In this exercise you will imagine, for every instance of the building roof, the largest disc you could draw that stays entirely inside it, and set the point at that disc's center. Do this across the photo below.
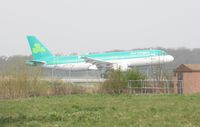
(188, 68)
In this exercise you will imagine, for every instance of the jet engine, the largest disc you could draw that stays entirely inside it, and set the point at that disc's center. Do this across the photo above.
(121, 66)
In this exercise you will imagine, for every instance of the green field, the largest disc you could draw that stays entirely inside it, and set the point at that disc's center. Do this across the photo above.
(102, 111)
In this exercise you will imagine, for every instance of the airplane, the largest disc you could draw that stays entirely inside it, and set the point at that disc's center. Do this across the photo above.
(98, 61)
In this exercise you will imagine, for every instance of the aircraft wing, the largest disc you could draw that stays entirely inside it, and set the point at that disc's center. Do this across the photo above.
(35, 62)
(99, 63)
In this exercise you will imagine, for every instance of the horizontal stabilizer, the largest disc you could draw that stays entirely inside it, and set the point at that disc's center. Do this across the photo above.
(35, 62)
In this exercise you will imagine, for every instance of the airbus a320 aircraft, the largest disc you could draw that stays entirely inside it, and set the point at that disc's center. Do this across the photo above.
(102, 61)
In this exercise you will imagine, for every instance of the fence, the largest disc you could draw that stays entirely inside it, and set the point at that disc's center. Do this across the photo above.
(155, 86)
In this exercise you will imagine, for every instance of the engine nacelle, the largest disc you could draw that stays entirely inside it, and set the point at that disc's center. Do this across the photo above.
(121, 66)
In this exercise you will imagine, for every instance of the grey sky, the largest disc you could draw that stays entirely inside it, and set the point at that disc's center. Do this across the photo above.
(66, 26)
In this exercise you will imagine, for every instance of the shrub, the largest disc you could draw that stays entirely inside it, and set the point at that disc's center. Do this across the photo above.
(117, 80)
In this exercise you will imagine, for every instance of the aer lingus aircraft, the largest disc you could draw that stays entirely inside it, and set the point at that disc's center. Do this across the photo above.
(102, 61)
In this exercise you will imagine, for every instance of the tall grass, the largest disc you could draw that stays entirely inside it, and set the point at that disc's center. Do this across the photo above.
(20, 81)
(24, 86)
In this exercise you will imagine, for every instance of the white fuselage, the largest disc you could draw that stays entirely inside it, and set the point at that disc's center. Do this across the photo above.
(125, 62)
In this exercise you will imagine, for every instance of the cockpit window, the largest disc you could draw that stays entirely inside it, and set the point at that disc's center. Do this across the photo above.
(164, 53)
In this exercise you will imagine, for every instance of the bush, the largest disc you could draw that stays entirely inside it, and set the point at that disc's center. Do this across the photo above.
(117, 80)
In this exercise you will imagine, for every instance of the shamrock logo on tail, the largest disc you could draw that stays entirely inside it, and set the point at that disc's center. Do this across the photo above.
(38, 48)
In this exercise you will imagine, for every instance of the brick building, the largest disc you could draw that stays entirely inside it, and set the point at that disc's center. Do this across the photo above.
(190, 74)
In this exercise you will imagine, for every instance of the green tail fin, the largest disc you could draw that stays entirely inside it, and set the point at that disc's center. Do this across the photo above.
(39, 51)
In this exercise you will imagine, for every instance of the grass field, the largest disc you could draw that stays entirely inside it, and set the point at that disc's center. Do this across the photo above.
(102, 111)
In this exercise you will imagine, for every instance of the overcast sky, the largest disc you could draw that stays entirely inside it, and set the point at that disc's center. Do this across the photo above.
(82, 26)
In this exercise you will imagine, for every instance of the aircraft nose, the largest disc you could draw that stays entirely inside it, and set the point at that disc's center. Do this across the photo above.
(170, 58)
